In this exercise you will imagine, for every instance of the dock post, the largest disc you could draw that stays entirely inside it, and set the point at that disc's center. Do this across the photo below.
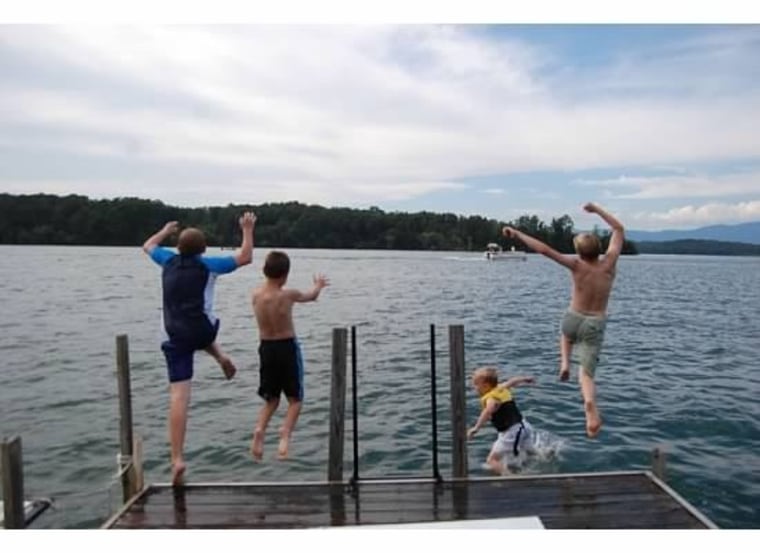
(129, 484)
(137, 464)
(434, 406)
(658, 463)
(13, 484)
(458, 406)
(337, 405)
(354, 408)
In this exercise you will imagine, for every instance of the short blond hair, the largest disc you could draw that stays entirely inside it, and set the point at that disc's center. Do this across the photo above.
(489, 375)
(587, 245)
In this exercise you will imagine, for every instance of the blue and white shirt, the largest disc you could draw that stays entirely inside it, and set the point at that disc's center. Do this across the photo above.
(188, 292)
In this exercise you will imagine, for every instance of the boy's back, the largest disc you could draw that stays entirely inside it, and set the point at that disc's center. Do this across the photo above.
(273, 307)
(592, 284)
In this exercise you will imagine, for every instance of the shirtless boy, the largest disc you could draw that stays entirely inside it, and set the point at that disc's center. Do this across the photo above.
(584, 322)
(281, 362)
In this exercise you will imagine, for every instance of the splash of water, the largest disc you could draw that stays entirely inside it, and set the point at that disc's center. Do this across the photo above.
(541, 454)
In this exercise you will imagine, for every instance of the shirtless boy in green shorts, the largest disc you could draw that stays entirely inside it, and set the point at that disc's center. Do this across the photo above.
(583, 323)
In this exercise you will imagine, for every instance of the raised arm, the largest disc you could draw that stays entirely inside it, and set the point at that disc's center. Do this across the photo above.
(244, 254)
(540, 247)
(517, 381)
(618, 233)
(155, 240)
(320, 281)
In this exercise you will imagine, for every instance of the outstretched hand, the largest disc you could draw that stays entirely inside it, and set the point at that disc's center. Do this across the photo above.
(591, 207)
(320, 281)
(247, 220)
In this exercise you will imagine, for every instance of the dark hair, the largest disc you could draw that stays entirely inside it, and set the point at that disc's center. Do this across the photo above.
(277, 265)
(191, 241)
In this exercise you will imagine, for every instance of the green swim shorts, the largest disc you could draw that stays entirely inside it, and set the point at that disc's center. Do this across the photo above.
(586, 332)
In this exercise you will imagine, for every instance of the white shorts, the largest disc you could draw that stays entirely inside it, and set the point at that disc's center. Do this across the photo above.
(515, 440)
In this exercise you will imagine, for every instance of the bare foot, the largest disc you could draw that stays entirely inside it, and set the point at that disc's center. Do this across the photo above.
(228, 367)
(257, 445)
(282, 449)
(178, 473)
(593, 420)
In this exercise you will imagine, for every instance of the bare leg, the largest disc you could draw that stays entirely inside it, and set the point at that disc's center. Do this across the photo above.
(224, 361)
(291, 417)
(179, 399)
(588, 389)
(257, 442)
(494, 461)
(565, 349)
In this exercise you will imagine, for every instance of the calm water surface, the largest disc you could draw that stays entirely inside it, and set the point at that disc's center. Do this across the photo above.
(679, 370)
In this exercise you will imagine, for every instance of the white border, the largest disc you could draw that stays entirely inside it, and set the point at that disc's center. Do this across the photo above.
(389, 11)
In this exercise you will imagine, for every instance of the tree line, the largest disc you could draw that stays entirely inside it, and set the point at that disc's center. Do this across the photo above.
(692, 246)
(78, 220)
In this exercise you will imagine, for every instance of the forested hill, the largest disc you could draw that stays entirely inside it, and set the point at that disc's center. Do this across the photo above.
(699, 247)
(77, 220)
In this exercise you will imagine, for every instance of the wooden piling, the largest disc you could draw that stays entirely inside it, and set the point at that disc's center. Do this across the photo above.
(128, 473)
(354, 407)
(137, 464)
(658, 463)
(337, 405)
(13, 484)
(434, 406)
(458, 405)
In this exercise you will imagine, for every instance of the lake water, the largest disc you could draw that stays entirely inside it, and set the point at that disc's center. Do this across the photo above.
(679, 370)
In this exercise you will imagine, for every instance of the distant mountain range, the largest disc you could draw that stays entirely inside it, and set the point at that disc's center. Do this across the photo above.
(747, 233)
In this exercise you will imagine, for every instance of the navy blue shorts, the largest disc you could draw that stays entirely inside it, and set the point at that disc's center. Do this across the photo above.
(280, 369)
(179, 356)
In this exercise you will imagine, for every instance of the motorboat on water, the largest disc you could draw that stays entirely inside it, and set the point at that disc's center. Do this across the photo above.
(494, 252)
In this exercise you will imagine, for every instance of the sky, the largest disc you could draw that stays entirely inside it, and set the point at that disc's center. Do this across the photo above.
(659, 123)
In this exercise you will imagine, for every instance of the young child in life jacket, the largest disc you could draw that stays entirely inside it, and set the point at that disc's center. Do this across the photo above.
(515, 434)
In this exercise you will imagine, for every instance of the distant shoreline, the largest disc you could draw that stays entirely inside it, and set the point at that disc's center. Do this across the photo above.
(713, 248)
(699, 247)
(45, 219)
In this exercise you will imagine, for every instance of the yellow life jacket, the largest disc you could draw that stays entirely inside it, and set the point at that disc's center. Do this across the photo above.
(507, 413)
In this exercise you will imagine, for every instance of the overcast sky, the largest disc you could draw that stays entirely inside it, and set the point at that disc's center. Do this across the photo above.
(661, 124)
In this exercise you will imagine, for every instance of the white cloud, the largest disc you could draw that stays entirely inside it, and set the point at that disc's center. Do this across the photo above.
(693, 216)
(678, 186)
(494, 191)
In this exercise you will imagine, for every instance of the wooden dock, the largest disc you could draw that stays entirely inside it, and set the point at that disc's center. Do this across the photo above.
(633, 499)
(600, 500)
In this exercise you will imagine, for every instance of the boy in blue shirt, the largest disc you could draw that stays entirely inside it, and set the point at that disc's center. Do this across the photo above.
(189, 324)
